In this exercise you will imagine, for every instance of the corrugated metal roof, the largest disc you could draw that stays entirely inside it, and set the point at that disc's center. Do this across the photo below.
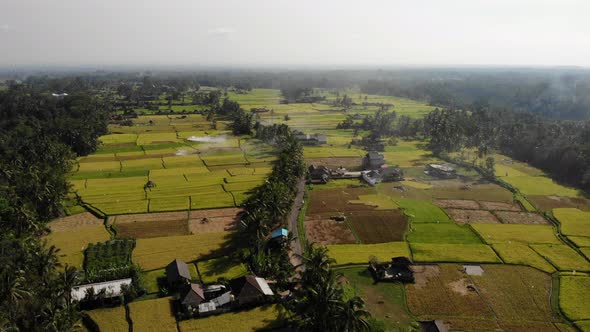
(112, 288)
(264, 286)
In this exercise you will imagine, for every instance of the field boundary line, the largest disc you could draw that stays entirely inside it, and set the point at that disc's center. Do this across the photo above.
(128, 317)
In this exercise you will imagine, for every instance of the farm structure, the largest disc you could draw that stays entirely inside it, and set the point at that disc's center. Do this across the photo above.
(310, 139)
(397, 270)
(441, 171)
(373, 160)
(110, 289)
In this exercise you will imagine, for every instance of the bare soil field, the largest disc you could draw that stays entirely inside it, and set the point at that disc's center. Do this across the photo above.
(457, 204)
(350, 163)
(74, 222)
(472, 216)
(453, 190)
(547, 203)
(328, 231)
(521, 218)
(161, 216)
(499, 206)
(227, 212)
(336, 200)
(153, 228)
(212, 224)
(378, 226)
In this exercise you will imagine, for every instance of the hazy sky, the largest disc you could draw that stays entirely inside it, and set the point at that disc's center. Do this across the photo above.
(295, 32)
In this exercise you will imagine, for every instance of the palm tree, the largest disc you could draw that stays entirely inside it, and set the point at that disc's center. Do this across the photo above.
(353, 316)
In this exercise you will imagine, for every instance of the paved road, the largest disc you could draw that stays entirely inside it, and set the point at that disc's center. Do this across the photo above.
(296, 249)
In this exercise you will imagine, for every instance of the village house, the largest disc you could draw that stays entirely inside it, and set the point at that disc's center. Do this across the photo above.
(250, 289)
(373, 160)
(307, 139)
(433, 326)
(396, 270)
(390, 174)
(191, 297)
(318, 174)
(177, 274)
(441, 171)
(108, 289)
(204, 301)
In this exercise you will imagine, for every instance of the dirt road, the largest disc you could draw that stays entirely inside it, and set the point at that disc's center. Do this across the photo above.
(296, 249)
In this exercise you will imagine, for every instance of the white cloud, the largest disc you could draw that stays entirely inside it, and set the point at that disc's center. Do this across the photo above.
(5, 28)
(221, 32)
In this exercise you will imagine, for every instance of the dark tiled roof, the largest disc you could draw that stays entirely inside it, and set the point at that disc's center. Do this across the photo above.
(176, 270)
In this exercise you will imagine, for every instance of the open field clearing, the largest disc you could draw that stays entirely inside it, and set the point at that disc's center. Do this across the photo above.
(81, 220)
(378, 226)
(109, 319)
(408, 154)
(385, 301)
(518, 253)
(517, 233)
(457, 204)
(361, 253)
(225, 267)
(265, 317)
(326, 231)
(573, 221)
(155, 253)
(472, 216)
(442, 233)
(149, 229)
(562, 257)
(336, 200)
(529, 218)
(445, 281)
(153, 315)
(422, 212)
(380, 202)
(465, 253)
(574, 297)
(539, 185)
(71, 243)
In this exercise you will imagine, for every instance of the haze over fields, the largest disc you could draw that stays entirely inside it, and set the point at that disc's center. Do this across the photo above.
(262, 33)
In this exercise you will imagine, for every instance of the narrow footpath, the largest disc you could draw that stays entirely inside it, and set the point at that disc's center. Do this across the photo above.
(296, 250)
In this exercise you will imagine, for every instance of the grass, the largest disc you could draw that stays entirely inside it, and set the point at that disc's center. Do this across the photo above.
(580, 241)
(422, 211)
(225, 267)
(157, 252)
(153, 315)
(465, 253)
(574, 297)
(345, 254)
(507, 233)
(583, 325)
(72, 243)
(562, 257)
(385, 301)
(540, 185)
(442, 233)
(573, 221)
(518, 253)
(109, 319)
(265, 317)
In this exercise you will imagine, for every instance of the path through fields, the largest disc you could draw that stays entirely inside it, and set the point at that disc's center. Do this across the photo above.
(296, 250)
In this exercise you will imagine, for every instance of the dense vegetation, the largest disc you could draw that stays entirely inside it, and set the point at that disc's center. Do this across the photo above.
(39, 137)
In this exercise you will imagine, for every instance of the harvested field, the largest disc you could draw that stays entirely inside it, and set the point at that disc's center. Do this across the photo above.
(74, 222)
(448, 282)
(149, 229)
(153, 315)
(457, 204)
(155, 253)
(472, 216)
(336, 200)
(131, 218)
(328, 231)
(214, 221)
(499, 206)
(378, 226)
(361, 253)
(516, 233)
(527, 218)
(109, 319)
(464, 253)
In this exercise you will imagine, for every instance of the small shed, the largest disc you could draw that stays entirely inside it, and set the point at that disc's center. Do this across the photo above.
(177, 273)
(279, 234)
(250, 289)
(373, 160)
(433, 326)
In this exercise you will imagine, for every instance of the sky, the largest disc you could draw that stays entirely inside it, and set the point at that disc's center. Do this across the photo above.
(275, 33)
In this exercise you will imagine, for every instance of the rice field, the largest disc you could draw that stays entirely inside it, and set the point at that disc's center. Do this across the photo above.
(464, 253)
(540, 185)
(225, 267)
(153, 315)
(562, 257)
(345, 254)
(109, 319)
(573, 221)
(522, 254)
(442, 233)
(265, 317)
(507, 233)
(574, 297)
(71, 243)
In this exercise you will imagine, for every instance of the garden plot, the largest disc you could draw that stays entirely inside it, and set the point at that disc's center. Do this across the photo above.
(464, 253)
(457, 204)
(260, 318)
(528, 218)
(345, 254)
(109, 319)
(573, 221)
(155, 253)
(574, 297)
(153, 315)
(499, 206)
(507, 233)
(472, 216)
(326, 231)
(562, 257)
(378, 226)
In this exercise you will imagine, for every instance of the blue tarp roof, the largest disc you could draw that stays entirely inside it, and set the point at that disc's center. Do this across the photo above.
(279, 233)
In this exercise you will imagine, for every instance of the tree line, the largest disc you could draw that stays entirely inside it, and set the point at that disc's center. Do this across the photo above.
(39, 138)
